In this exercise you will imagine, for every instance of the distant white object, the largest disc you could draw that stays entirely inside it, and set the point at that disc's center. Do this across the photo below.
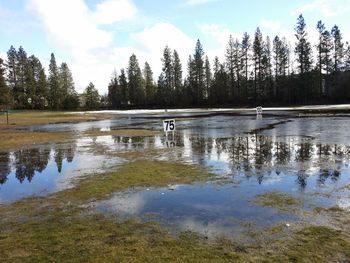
(29, 100)
(169, 125)
(287, 225)
(259, 110)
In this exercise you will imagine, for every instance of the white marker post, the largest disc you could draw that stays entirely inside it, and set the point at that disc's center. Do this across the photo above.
(169, 126)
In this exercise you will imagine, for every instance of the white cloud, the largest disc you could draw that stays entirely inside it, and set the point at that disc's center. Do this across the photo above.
(325, 7)
(3, 55)
(126, 203)
(92, 52)
(221, 36)
(271, 25)
(74, 29)
(112, 11)
(197, 2)
(69, 24)
(150, 43)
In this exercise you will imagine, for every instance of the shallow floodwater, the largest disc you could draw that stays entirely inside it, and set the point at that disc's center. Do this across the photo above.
(307, 158)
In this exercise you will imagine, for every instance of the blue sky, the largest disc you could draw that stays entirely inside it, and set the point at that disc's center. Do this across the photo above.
(97, 36)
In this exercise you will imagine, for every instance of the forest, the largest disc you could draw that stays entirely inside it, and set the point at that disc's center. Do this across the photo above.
(256, 70)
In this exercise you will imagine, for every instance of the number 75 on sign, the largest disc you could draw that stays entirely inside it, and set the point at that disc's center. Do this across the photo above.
(169, 125)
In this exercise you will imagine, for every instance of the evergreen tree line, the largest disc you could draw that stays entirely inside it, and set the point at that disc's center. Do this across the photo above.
(255, 70)
(25, 85)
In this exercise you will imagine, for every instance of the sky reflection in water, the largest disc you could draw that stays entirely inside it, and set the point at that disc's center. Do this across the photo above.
(292, 157)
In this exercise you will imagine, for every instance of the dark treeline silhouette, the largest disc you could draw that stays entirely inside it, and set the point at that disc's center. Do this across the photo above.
(256, 70)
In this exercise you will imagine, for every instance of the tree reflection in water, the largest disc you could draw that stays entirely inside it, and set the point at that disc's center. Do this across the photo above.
(247, 155)
(27, 162)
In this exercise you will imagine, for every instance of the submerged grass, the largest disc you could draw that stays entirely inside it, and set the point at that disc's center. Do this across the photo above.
(277, 200)
(141, 173)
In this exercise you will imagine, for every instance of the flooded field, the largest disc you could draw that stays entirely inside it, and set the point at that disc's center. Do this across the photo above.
(281, 171)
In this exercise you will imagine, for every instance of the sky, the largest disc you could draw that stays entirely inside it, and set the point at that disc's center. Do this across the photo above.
(97, 37)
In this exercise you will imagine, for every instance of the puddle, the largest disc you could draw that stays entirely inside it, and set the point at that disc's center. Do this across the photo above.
(43, 169)
(307, 158)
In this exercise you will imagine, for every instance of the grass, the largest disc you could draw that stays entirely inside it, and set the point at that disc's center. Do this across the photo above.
(12, 139)
(314, 244)
(141, 173)
(25, 118)
(59, 228)
(281, 201)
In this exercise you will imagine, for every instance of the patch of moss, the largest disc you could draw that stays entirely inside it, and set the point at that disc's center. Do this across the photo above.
(276, 200)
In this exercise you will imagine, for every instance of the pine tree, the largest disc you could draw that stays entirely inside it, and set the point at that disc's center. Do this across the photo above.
(280, 61)
(198, 71)
(303, 54)
(303, 47)
(123, 83)
(21, 67)
(220, 85)
(31, 79)
(257, 57)
(42, 90)
(177, 76)
(190, 85)
(54, 85)
(245, 47)
(12, 78)
(5, 96)
(136, 92)
(208, 77)
(327, 51)
(238, 65)
(230, 65)
(168, 74)
(267, 68)
(92, 98)
(114, 94)
(150, 89)
(68, 95)
(338, 49)
(347, 57)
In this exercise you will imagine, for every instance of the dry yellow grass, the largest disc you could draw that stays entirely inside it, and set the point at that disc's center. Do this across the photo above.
(25, 118)
(10, 139)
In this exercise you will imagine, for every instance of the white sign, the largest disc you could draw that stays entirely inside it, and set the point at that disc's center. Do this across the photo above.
(259, 110)
(169, 125)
